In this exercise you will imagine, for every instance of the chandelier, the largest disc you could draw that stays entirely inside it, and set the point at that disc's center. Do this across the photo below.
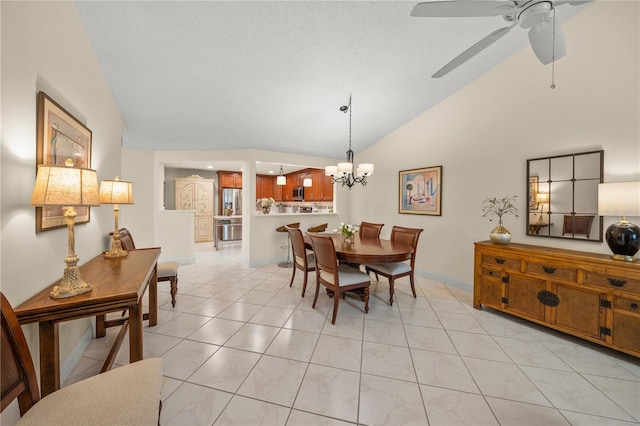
(343, 172)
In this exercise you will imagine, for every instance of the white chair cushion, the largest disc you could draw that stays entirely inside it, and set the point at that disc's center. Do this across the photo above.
(128, 395)
(396, 268)
(167, 269)
(311, 260)
(347, 275)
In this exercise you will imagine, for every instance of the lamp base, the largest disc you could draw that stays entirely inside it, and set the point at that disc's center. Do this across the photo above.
(623, 238)
(71, 285)
(116, 250)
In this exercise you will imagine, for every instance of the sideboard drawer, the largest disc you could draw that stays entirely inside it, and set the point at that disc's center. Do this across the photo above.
(626, 304)
(489, 272)
(614, 282)
(505, 262)
(549, 270)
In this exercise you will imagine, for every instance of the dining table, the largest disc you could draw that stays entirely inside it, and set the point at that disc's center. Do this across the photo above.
(364, 250)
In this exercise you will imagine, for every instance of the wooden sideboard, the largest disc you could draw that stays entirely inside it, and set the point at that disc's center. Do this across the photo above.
(584, 294)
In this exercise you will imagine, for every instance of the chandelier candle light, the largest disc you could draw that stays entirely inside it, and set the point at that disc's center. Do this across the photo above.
(67, 187)
(116, 192)
(343, 172)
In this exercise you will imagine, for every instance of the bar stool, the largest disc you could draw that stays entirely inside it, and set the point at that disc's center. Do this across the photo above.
(283, 228)
(318, 228)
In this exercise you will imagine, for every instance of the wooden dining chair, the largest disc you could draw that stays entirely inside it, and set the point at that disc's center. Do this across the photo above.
(128, 395)
(337, 278)
(395, 270)
(577, 225)
(370, 230)
(302, 260)
(167, 271)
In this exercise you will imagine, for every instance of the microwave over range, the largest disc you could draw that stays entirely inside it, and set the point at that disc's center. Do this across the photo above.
(298, 193)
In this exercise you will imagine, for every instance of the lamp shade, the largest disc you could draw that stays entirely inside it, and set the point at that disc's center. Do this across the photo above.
(116, 192)
(331, 170)
(345, 167)
(366, 169)
(281, 180)
(542, 197)
(65, 186)
(619, 199)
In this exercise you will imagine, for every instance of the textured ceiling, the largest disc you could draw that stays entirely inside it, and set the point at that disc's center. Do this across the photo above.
(273, 75)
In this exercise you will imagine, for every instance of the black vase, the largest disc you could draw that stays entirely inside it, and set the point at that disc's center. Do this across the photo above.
(623, 239)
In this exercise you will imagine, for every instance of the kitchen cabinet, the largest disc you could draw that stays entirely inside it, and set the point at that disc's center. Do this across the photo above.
(196, 193)
(265, 186)
(230, 179)
(586, 295)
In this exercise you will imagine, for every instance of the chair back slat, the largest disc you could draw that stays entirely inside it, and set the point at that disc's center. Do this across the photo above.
(18, 375)
(297, 242)
(126, 240)
(370, 230)
(407, 236)
(325, 253)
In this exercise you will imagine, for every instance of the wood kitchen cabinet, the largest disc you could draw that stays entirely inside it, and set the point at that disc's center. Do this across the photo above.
(196, 193)
(587, 295)
(265, 186)
(230, 179)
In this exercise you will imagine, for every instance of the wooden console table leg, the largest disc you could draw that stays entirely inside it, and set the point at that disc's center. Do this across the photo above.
(135, 332)
(49, 357)
(153, 298)
(101, 327)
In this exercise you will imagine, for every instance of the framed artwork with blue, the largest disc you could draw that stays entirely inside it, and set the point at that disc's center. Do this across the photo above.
(421, 191)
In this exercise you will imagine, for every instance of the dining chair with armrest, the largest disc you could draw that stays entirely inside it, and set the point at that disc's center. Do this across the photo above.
(167, 271)
(395, 270)
(337, 278)
(128, 395)
(302, 260)
(577, 225)
(370, 230)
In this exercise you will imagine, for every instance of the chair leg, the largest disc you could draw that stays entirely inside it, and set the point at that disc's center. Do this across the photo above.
(366, 300)
(293, 274)
(413, 286)
(391, 291)
(315, 298)
(174, 291)
(336, 301)
(304, 282)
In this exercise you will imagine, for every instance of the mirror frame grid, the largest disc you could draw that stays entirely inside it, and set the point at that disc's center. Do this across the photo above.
(535, 232)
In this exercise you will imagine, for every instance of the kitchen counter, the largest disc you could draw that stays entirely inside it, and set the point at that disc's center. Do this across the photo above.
(228, 217)
(275, 213)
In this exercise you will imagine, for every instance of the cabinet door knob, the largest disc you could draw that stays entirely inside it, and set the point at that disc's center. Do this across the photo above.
(617, 283)
(500, 260)
(549, 269)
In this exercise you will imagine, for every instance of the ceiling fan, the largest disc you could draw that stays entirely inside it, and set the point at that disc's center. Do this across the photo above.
(538, 16)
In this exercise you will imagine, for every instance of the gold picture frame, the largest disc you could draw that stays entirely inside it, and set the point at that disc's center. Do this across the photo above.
(60, 136)
(420, 191)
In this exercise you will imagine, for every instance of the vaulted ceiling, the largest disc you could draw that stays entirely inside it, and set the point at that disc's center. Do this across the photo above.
(273, 75)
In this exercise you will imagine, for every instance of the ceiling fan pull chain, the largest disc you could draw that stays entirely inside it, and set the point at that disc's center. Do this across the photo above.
(553, 53)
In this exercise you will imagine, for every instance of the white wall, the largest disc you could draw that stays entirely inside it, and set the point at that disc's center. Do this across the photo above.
(44, 47)
(483, 135)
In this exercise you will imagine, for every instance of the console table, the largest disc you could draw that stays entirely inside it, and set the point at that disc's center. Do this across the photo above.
(118, 284)
(587, 295)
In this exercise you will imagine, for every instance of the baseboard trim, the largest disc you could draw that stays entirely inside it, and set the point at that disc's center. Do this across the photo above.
(445, 280)
(76, 353)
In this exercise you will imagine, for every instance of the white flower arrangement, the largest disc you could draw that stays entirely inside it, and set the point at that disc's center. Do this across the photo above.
(265, 203)
(348, 230)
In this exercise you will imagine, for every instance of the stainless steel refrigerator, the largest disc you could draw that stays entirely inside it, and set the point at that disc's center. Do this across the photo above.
(231, 229)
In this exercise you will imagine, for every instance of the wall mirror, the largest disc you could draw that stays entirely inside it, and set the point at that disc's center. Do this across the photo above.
(563, 196)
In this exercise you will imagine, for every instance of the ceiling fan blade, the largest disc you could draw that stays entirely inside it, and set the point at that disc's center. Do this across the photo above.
(462, 8)
(571, 2)
(473, 51)
(541, 38)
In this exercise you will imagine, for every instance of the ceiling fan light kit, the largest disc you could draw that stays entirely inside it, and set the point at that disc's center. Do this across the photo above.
(545, 37)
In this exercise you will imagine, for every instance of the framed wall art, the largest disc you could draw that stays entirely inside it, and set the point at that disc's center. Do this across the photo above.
(533, 193)
(60, 137)
(421, 191)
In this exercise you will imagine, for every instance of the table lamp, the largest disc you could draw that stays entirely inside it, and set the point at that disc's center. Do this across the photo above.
(542, 198)
(621, 199)
(67, 187)
(116, 192)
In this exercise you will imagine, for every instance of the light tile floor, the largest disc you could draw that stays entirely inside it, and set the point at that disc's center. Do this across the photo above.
(243, 348)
